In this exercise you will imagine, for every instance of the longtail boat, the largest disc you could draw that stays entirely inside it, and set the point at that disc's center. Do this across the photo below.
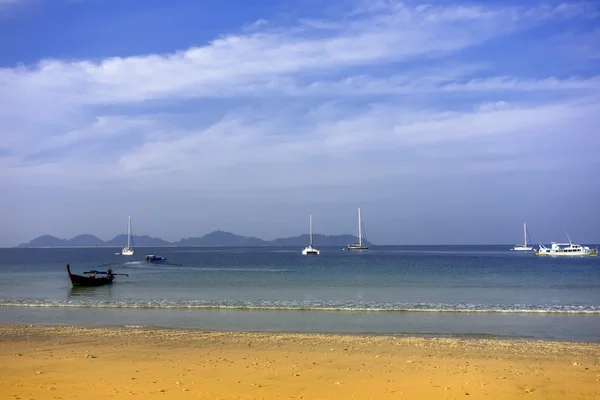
(93, 279)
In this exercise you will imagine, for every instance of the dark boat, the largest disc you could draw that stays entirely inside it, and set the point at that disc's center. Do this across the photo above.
(93, 279)
(152, 258)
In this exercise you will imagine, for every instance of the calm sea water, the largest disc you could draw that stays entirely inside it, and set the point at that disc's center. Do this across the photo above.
(465, 290)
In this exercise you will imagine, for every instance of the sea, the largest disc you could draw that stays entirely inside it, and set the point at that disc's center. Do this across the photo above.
(437, 291)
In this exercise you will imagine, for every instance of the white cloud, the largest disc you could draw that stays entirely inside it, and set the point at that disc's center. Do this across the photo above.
(493, 106)
(308, 113)
(254, 150)
(511, 83)
(451, 81)
(390, 32)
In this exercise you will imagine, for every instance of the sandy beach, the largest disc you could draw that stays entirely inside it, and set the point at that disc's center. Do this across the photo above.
(82, 363)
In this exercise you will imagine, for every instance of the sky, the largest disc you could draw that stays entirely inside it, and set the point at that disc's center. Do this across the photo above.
(445, 122)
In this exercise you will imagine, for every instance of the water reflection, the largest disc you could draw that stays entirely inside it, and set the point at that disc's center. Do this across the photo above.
(77, 292)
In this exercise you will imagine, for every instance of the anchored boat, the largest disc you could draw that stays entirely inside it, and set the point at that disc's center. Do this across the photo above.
(128, 251)
(92, 279)
(361, 235)
(524, 246)
(152, 258)
(309, 250)
(566, 250)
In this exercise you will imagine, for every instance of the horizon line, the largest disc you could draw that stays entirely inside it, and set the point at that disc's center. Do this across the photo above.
(258, 245)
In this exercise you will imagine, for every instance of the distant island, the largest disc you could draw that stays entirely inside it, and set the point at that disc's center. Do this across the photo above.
(216, 238)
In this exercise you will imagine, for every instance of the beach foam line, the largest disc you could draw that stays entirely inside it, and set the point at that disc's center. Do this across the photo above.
(323, 307)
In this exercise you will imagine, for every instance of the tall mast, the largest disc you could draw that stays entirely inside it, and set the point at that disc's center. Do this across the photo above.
(359, 230)
(310, 227)
(129, 233)
(525, 232)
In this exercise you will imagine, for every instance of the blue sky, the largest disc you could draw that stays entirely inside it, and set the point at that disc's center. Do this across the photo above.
(446, 122)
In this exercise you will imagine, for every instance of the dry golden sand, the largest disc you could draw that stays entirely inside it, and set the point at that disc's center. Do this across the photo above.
(80, 363)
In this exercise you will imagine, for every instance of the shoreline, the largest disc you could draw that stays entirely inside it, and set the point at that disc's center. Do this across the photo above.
(563, 327)
(97, 363)
(185, 332)
(365, 334)
(177, 334)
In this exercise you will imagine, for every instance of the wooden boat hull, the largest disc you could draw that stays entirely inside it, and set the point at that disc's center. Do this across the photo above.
(80, 280)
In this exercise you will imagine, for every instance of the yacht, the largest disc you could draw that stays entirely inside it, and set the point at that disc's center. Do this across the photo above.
(309, 250)
(361, 235)
(524, 246)
(128, 251)
(566, 250)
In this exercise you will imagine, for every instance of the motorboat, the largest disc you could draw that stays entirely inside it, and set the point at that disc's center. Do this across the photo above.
(152, 258)
(566, 250)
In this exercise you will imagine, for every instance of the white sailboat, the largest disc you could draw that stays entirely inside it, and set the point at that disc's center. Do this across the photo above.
(361, 236)
(523, 247)
(128, 251)
(309, 250)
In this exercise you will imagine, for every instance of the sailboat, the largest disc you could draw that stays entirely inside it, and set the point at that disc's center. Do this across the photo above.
(128, 251)
(310, 250)
(523, 247)
(361, 236)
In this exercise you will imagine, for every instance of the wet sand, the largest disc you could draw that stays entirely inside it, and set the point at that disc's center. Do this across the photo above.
(83, 363)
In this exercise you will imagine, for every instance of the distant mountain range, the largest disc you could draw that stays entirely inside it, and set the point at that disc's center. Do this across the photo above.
(216, 238)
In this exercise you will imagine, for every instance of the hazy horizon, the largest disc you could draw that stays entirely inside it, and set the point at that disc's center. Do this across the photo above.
(387, 242)
(106, 239)
(445, 123)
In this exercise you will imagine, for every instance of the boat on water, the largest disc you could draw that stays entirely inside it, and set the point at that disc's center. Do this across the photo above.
(150, 258)
(107, 277)
(361, 236)
(524, 246)
(309, 250)
(566, 250)
(128, 250)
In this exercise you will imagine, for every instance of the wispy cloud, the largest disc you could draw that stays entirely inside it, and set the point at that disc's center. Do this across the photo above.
(254, 149)
(382, 100)
(365, 82)
(385, 33)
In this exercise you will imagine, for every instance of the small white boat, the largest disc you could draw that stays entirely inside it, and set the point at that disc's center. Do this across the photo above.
(309, 250)
(566, 250)
(524, 246)
(128, 251)
(361, 234)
